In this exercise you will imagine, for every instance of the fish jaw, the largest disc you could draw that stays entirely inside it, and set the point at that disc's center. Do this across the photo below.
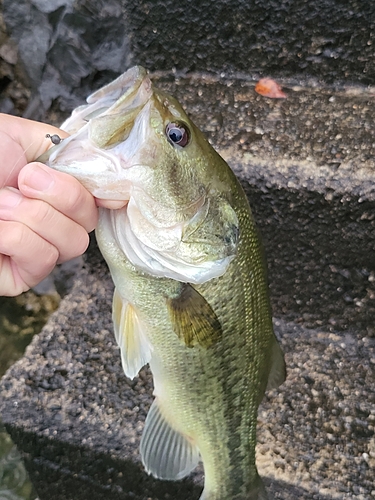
(126, 93)
(106, 133)
(115, 226)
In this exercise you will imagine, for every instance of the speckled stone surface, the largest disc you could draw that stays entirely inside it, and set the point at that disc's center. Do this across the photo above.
(68, 47)
(307, 165)
(78, 419)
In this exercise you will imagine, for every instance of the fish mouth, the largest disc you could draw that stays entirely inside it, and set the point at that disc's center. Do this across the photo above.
(114, 107)
(114, 225)
(185, 250)
(104, 122)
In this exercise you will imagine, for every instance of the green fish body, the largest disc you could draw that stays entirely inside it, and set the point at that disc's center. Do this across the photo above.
(191, 297)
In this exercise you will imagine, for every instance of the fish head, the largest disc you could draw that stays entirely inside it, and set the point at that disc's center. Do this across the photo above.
(134, 143)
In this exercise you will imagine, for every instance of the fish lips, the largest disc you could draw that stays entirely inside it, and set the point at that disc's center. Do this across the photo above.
(98, 126)
(112, 104)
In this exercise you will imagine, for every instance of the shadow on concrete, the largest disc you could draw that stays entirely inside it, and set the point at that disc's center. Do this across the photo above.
(64, 471)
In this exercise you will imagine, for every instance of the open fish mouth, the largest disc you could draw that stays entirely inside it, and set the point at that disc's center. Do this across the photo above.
(124, 97)
(98, 151)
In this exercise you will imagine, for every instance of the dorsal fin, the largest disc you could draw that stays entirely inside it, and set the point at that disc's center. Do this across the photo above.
(165, 452)
(131, 336)
(193, 319)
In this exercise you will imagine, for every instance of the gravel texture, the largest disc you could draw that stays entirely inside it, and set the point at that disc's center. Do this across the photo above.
(307, 164)
(78, 419)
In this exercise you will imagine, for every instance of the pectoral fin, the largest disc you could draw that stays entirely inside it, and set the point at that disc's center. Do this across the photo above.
(278, 370)
(130, 335)
(193, 319)
(165, 452)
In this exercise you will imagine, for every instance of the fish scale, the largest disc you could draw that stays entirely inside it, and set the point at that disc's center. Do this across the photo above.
(197, 310)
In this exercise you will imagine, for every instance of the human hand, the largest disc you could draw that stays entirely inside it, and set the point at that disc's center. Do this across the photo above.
(45, 215)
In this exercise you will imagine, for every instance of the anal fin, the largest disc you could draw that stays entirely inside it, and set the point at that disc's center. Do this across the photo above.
(165, 452)
(131, 337)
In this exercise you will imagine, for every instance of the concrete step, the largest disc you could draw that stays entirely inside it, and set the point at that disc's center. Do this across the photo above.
(307, 165)
(77, 419)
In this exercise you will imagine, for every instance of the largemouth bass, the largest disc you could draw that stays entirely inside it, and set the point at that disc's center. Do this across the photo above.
(191, 296)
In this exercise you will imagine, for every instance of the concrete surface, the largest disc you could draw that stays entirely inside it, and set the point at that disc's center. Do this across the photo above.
(78, 420)
(307, 165)
(66, 48)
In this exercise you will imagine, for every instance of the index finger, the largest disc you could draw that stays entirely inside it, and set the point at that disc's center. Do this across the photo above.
(22, 141)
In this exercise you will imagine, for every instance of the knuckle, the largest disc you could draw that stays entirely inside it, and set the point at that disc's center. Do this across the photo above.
(42, 212)
(81, 242)
(51, 259)
(18, 239)
(51, 256)
(13, 235)
(74, 201)
(80, 206)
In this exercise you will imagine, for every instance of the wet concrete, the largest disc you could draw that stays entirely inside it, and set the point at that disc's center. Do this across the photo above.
(307, 165)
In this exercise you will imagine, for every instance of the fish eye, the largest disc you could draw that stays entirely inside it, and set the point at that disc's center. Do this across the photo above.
(177, 133)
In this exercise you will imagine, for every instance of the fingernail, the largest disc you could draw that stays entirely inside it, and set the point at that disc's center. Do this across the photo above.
(9, 198)
(38, 179)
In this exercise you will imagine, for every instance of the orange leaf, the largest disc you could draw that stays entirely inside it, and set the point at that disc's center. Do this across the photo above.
(269, 88)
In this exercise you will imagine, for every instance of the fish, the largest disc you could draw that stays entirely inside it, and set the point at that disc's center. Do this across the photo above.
(191, 294)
